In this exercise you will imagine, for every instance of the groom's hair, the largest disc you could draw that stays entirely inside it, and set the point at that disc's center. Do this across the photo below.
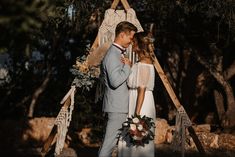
(125, 26)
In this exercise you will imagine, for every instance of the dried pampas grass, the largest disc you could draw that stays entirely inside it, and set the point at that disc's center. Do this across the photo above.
(95, 57)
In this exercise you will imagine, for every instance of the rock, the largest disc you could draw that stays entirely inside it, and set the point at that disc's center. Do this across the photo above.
(227, 141)
(215, 141)
(38, 129)
(163, 132)
(84, 135)
(202, 128)
(68, 152)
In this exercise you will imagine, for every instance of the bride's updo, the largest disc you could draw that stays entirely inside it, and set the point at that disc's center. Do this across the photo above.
(144, 45)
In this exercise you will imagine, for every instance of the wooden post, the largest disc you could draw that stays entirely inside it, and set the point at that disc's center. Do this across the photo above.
(114, 4)
(166, 83)
(95, 44)
(176, 102)
(53, 133)
(125, 4)
(49, 141)
(196, 140)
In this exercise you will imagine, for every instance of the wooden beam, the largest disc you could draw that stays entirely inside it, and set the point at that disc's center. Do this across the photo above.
(115, 4)
(166, 83)
(196, 140)
(49, 140)
(125, 4)
(95, 43)
(53, 133)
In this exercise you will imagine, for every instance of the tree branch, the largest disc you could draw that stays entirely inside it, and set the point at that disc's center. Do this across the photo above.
(220, 78)
(230, 71)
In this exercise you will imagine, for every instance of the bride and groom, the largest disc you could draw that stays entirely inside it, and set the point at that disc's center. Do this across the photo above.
(128, 89)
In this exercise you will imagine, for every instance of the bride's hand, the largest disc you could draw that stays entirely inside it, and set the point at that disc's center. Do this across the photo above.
(137, 113)
(123, 60)
(126, 61)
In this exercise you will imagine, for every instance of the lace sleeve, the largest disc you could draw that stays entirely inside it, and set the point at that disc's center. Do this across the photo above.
(132, 77)
(143, 75)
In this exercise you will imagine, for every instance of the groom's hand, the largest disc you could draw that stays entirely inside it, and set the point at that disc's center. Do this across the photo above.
(126, 61)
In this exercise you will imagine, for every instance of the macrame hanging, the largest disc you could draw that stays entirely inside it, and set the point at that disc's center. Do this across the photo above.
(63, 121)
(181, 124)
(106, 33)
(111, 19)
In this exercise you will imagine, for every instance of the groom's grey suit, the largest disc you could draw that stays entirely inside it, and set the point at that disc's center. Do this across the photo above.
(115, 101)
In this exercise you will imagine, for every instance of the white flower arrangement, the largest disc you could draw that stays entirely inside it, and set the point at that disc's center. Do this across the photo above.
(138, 130)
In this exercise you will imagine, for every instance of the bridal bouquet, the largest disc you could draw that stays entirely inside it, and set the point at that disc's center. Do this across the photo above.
(138, 129)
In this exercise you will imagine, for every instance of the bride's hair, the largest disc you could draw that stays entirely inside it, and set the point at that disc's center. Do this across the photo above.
(145, 44)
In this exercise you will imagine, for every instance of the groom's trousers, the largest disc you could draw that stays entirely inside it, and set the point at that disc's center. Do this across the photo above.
(114, 123)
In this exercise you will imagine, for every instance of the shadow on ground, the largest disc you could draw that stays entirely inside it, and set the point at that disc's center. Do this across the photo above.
(162, 150)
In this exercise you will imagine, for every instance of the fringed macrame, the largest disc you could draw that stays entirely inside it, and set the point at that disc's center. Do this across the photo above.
(63, 121)
(181, 124)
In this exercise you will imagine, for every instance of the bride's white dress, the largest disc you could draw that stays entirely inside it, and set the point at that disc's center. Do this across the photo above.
(143, 75)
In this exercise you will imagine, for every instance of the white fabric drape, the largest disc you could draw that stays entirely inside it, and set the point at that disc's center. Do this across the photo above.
(112, 17)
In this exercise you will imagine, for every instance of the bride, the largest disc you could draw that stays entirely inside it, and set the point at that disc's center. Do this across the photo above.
(141, 101)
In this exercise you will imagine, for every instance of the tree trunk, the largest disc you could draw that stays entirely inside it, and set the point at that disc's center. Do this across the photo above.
(230, 72)
(219, 101)
(228, 120)
(37, 93)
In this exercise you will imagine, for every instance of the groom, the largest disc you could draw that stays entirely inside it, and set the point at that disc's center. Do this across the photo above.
(115, 74)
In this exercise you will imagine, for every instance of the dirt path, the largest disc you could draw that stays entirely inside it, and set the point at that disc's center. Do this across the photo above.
(162, 150)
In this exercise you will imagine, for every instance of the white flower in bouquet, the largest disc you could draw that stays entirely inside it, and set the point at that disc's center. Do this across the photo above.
(133, 127)
(140, 127)
(136, 120)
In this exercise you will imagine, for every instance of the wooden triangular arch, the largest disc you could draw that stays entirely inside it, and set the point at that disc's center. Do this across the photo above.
(124, 3)
(164, 79)
(67, 100)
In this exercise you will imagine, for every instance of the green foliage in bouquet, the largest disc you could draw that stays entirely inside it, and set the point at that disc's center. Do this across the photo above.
(85, 76)
(138, 129)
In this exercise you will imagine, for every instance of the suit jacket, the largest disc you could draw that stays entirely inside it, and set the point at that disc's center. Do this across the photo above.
(114, 75)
